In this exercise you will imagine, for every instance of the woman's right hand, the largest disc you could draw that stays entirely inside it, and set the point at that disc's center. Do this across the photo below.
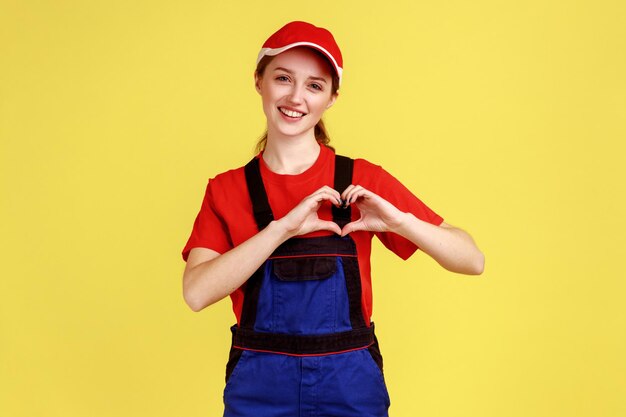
(303, 219)
(209, 276)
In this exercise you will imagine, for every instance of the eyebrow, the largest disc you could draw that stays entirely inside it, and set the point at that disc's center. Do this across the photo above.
(291, 72)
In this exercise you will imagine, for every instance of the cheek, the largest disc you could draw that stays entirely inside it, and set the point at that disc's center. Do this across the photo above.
(269, 96)
(267, 101)
(266, 109)
(321, 104)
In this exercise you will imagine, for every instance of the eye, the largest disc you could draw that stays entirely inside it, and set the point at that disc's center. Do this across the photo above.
(316, 86)
(282, 78)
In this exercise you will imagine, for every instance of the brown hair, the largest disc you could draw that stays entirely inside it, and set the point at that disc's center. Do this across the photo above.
(321, 135)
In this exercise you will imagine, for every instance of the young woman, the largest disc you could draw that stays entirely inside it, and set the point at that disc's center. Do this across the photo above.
(288, 237)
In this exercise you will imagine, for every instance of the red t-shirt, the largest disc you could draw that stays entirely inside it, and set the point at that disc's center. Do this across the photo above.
(225, 219)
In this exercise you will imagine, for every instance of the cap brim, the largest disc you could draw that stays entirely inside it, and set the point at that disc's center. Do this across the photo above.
(276, 51)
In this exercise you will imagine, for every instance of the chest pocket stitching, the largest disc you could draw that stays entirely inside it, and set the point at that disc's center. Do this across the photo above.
(305, 269)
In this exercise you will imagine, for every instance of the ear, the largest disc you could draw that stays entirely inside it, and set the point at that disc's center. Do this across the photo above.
(257, 82)
(332, 100)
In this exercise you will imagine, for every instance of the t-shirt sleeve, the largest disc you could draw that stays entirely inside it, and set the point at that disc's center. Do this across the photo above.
(209, 230)
(392, 190)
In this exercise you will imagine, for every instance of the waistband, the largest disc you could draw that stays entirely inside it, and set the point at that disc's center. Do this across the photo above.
(291, 344)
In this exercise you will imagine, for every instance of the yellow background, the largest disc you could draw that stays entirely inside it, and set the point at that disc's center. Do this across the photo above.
(507, 118)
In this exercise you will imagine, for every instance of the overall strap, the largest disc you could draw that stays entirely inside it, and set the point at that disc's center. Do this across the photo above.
(343, 178)
(261, 206)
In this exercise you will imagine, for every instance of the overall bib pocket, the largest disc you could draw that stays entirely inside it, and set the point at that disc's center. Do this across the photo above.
(305, 269)
(304, 294)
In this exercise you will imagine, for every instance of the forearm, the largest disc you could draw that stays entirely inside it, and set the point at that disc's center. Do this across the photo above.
(210, 281)
(451, 247)
(214, 278)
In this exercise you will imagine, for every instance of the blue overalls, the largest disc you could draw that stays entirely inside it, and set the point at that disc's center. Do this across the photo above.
(302, 347)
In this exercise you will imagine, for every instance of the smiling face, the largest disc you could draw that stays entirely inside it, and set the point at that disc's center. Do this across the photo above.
(296, 88)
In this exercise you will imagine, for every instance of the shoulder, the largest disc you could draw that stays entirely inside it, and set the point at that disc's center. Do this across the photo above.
(366, 172)
(227, 183)
(228, 177)
(363, 166)
(374, 177)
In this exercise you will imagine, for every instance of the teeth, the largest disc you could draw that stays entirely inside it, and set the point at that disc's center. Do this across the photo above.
(291, 113)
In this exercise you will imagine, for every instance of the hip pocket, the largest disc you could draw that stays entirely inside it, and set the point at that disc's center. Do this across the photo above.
(235, 363)
(375, 361)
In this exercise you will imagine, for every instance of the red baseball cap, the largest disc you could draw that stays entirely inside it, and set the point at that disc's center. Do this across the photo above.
(304, 34)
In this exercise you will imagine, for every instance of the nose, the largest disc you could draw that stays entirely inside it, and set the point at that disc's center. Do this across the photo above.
(296, 94)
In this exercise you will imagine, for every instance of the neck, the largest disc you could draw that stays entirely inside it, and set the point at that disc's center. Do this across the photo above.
(290, 156)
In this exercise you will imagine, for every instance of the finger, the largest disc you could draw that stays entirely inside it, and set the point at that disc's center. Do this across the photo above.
(336, 197)
(326, 195)
(328, 225)
(352, 227)
(346, 191)
(355, 193)
(321, 194)
(345, 196)
(365, 194)
(332, 191)
(315, 202)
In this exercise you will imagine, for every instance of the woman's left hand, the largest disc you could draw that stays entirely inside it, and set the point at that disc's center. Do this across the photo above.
(377, 214)
(451, 247)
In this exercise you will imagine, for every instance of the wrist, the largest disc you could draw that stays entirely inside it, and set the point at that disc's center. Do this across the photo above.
(279, 230)
(402, 223)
